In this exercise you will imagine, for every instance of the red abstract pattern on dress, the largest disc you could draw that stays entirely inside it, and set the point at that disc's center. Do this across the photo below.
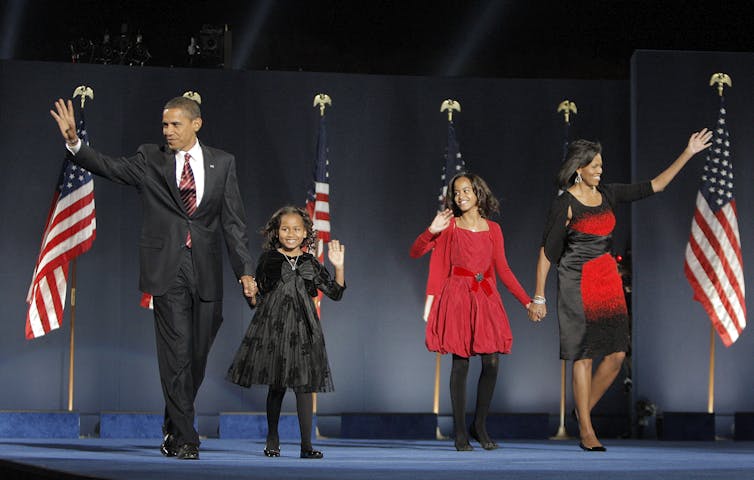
(602, 290)
(600, 223)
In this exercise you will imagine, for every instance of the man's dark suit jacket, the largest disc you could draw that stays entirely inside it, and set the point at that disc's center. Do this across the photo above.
(166, 223)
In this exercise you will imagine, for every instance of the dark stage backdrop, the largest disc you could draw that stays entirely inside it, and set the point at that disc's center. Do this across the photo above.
(386, 139)
(671, 97)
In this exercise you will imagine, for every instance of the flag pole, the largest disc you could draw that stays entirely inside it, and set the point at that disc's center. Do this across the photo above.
(81, 91)
(711, 386)
(72, 335)
(719, 80)
(321, 100)
(450, 106)
(566, 107)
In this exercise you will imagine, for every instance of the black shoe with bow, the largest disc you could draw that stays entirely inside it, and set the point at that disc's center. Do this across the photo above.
(188, 451)
(311, 453)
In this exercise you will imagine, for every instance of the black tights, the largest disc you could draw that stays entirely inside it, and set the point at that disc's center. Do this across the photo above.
(485, 389)
(304, 408)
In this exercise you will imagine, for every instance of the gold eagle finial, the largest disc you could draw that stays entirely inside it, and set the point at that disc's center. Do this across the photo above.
(567, 107)
(450, 105)
(83, 91)
(193, 96)
(720, 79)
(322, 100)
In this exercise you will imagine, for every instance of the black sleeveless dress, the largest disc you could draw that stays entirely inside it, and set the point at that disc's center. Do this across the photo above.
(592, 312)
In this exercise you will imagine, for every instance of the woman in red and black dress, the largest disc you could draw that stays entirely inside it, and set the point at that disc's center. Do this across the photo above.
(467, 316)
(592, 310)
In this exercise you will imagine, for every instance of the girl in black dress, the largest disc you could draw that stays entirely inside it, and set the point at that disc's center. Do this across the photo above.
(284, 346)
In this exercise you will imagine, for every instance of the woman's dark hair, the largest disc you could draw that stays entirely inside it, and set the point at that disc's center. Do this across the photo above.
(580, 154)
(486, 201)
(270, 231)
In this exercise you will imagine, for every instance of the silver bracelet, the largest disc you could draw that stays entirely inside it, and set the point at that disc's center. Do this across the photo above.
(538, 300)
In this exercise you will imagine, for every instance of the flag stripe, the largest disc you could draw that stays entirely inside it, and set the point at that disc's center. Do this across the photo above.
(717, 284)
(67, 246)
(727, 269)
(707, 305)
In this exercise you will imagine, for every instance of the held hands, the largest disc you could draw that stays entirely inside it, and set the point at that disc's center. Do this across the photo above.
(537, 312)
(63, 114)
(441, 221)
(699, 141)
(336, 253)
(250, 289)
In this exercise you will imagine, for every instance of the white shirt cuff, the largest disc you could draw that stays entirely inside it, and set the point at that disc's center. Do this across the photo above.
(75, 148)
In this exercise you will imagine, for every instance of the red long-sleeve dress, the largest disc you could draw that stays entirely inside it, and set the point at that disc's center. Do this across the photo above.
(467, 315)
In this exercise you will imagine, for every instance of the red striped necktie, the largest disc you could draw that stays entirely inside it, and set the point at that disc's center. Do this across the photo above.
(187, 187)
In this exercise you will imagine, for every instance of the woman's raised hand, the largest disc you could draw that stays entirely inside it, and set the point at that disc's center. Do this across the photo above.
(441, 221)
(699, 141)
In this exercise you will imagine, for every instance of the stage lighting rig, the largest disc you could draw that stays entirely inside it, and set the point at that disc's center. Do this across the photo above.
(123, 50)
(139, 54)
(103, 52)
(211, 47)
(81, 50)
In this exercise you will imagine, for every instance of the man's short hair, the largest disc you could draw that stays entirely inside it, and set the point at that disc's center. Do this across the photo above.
(187, 105)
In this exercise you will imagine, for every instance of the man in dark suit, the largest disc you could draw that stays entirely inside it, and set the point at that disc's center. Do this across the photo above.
(190, 200)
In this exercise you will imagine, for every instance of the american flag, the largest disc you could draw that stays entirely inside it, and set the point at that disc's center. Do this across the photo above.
(318, 198)
(714, 266)
(454, 164)
(69, 231)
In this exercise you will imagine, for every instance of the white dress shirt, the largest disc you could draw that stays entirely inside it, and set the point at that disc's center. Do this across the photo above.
(197, 167)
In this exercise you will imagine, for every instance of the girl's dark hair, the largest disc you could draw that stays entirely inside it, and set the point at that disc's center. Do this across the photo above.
(486, 201)
(270, 231)
(580, 154)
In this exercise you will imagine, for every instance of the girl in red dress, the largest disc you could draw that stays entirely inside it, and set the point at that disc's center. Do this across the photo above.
(467, 317)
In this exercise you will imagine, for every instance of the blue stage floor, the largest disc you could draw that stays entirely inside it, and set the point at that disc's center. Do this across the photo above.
(378, 459)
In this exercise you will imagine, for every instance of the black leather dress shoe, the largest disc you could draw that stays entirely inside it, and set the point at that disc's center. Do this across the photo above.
(188, 451)
(598, 448)
(168, 445)
(311, 454)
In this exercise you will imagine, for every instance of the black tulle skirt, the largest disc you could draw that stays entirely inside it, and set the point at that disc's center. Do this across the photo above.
(284, 346)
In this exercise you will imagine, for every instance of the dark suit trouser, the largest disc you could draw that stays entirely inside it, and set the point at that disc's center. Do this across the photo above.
(185, 327)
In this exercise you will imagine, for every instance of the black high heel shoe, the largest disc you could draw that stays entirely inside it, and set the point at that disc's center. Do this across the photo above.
(487, 444)
(310, 454)
(598, 448)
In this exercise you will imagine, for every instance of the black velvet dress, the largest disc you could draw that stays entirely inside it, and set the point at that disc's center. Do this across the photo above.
(592, 312)
(284, 346)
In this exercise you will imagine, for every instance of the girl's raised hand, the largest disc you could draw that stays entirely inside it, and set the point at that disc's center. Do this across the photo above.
(336, 253)
(441, 221)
